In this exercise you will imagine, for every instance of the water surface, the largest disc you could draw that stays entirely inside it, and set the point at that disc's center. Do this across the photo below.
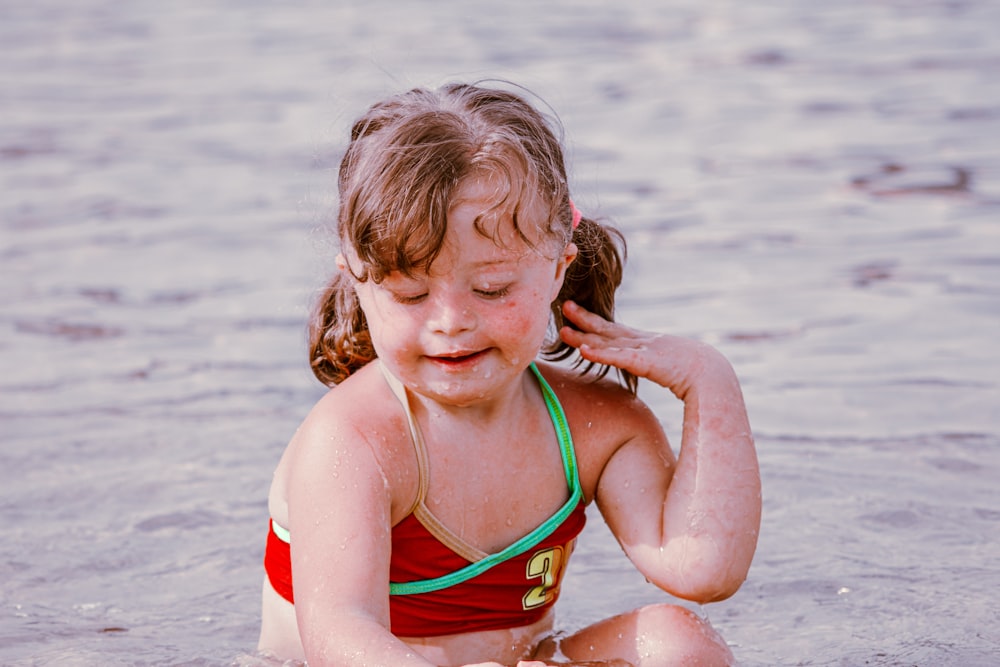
(812, 187)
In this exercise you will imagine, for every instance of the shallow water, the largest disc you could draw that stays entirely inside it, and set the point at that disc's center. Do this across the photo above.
(814, 188)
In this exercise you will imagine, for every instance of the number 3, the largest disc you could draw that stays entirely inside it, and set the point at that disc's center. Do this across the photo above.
(547, 564)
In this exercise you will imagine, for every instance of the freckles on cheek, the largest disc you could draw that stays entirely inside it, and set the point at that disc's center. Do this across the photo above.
(516, 326)
(520, 319)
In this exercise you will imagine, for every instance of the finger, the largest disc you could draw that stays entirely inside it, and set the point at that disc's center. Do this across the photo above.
(591, 322)
(577, 339)
(572, 336)
(623, 339)
(635, 360)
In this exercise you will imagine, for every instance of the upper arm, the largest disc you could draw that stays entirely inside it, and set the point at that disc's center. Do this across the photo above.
(339, 514)
(634, 484)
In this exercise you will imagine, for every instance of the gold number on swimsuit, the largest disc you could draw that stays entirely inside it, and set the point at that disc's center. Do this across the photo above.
(547, 564)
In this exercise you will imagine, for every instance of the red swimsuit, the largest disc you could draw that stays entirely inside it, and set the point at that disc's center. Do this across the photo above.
(440, 584)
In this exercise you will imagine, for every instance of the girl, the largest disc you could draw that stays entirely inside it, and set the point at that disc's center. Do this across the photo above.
(425, 511)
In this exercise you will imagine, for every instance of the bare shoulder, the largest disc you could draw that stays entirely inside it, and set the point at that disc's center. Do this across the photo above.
(571, 385)
(360, 419)
(362, 404)
(602, 416)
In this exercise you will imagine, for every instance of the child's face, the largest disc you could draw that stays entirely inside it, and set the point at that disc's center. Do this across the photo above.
(478, 317)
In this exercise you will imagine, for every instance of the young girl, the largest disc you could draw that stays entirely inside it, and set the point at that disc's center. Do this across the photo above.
(426, 509)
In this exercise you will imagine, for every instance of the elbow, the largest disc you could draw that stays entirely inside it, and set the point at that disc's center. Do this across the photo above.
(703, 575)
(703, 590)
(717, 591)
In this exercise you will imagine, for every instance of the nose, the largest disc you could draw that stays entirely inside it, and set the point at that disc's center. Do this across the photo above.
(451, 314)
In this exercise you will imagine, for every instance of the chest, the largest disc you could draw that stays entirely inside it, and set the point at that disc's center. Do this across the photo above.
(492, 487)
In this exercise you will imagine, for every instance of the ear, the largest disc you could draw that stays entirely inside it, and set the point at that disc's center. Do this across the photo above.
(344, 266)
(565, 258)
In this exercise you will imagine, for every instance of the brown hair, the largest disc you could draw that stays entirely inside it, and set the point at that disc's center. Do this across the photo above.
(406, 156)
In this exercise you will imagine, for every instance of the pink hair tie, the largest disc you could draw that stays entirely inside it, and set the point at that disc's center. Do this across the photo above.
(577, 216)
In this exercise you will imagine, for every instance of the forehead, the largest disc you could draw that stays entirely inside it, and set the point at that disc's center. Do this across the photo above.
(491, 208)
(509, 214)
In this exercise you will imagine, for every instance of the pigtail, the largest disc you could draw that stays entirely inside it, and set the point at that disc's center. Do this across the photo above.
(339, 342)
(591, 281)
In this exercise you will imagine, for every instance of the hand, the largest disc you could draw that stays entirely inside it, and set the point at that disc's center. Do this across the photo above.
(528, 663)
(600, 663)
(670, 361)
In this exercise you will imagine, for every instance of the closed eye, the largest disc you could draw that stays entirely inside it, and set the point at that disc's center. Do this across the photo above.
(494, 293)
(408, 300)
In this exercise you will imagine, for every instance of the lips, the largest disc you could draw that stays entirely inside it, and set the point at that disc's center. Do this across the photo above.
(458, 358)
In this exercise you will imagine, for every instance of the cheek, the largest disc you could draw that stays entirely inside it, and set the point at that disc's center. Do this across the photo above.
(384, 325)
(526, 318)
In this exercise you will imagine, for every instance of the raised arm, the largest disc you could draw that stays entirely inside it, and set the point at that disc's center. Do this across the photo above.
(691, 526)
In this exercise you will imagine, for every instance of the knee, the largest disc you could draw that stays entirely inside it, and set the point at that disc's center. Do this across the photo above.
(668, 634)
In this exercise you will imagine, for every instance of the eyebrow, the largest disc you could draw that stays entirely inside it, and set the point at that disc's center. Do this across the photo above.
(493, 262)
(489, 263)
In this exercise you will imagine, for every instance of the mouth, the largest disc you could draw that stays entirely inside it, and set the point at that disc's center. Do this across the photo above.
(458, 358)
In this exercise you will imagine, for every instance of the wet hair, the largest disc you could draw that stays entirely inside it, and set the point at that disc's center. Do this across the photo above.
(407, 156)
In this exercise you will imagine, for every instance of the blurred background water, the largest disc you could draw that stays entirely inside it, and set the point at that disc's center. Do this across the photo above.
(812, 187)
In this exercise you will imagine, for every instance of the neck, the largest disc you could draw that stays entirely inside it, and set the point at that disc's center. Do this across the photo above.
(502, 402)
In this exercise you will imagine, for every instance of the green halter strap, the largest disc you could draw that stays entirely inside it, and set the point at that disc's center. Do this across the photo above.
(534, 537)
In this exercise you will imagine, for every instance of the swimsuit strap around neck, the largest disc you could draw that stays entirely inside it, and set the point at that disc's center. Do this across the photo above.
(521, 545)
